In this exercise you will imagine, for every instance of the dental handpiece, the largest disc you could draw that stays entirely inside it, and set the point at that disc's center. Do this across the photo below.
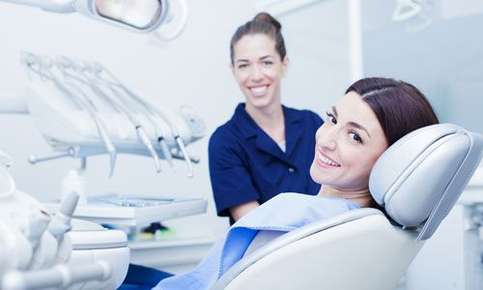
(182, 147)
(97, 69)
(145, 140)
(161, 139)
(179, 141)
(140, 132)
(101, 129)
(161, 136)
(163, 145)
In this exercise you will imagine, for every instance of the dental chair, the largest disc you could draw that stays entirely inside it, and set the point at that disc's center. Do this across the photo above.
(416, 182)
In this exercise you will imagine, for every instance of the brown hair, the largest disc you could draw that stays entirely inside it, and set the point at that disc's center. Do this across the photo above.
(262, 23)
(400, 107)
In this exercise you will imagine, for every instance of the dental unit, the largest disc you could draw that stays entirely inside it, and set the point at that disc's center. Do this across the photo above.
(102, 116)
(39, 249)
(44, 69)
(82, 114)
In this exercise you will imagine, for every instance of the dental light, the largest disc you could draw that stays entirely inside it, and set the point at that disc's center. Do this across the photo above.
(135, 15)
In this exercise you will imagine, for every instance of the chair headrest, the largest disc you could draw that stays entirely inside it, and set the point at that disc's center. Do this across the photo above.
(420, 177)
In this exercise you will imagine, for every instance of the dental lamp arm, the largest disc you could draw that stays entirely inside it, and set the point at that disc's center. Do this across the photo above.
(59, 6)
(137, 15)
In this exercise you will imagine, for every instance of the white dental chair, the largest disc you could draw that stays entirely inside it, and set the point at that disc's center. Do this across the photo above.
(416, 181)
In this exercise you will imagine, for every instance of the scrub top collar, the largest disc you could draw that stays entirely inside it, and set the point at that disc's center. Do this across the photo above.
(249, 129)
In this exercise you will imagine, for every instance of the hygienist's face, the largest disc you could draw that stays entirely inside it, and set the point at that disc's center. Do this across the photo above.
(258, 69)
(347, 145)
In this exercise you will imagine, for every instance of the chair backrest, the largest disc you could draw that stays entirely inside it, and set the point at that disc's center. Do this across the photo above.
(419, 178)
(417, 181)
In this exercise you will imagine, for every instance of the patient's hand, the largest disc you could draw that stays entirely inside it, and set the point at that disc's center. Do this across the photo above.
(239, 211)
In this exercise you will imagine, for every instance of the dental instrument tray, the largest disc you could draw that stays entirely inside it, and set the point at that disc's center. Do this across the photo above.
(135, 211)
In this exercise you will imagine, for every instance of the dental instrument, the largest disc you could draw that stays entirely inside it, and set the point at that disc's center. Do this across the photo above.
(64, 65)
(174, 130)
(57, 98)
(95, 70)
(115, 102)
(68, 93)
(43, 69)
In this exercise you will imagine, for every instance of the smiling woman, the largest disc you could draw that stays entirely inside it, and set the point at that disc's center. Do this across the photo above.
(265, 148)
(373, 114)
(347, 146)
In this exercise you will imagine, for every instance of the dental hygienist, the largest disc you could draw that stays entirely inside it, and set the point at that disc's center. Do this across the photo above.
(265, 148)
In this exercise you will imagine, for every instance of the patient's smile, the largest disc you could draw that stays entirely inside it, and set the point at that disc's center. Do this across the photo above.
(324, 161)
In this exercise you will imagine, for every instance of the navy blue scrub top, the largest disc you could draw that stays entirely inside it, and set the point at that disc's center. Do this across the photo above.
(247, 165)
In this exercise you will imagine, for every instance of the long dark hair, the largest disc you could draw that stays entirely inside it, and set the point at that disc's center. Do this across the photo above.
(262, 23)
(400, 107)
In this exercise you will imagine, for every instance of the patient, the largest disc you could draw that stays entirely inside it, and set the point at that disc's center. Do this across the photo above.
(372, 115)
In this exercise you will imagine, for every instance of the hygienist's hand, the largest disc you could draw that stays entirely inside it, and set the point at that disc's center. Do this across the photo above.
(239, 211)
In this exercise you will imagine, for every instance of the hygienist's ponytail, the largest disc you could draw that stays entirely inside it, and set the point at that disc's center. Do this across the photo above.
(262, 23)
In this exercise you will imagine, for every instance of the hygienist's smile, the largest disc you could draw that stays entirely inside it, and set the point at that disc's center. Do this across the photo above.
(259, 90)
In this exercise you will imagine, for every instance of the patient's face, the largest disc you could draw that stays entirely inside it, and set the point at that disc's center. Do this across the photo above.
(347, 145)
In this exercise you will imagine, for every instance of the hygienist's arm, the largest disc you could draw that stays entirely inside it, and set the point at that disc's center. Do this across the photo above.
(238, 211)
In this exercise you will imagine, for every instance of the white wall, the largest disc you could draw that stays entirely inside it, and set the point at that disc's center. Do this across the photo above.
(193, 69)
(444, 60)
